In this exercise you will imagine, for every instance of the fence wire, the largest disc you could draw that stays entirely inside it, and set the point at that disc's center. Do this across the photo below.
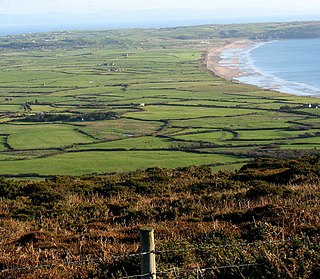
(208, 247)
(39, 266)
(159, 252)
(195, 270)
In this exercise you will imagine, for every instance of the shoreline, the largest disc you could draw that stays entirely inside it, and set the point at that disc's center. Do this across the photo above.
(226, 62)
(213, 59)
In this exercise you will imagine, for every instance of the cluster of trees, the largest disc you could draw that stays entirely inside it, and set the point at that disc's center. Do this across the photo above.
(94, 116)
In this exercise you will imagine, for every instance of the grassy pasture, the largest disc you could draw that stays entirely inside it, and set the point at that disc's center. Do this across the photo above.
(148, 142)
(214, 136)
(120, 128)
(184, 112)
(77, 163)
(43, 136)
(269, 134)
(2, 144)
(163, 97)
(252, 120)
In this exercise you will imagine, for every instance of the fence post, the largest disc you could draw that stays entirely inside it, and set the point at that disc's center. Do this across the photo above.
(148, 259)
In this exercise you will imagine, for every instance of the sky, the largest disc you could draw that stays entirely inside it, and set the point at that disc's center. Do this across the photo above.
(230, 7)
(24, 16)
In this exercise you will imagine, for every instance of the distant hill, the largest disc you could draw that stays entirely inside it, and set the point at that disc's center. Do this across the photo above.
(157, 18)
(264, 31)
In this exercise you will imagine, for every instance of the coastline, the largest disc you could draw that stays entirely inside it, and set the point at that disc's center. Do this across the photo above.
(213, 59)
(232, 62)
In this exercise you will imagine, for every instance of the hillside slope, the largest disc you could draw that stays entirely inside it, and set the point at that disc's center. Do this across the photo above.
(264, 217)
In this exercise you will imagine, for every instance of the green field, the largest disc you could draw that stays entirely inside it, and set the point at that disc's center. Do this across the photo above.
(108, 101)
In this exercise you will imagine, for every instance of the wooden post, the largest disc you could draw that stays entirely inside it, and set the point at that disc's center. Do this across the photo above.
(148, 259)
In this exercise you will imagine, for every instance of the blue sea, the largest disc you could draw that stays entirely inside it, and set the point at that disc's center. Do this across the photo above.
(289, 66)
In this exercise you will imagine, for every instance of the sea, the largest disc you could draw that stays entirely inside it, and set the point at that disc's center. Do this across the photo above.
(289, 66)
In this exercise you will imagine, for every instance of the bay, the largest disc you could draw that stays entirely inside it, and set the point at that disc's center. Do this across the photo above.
(290, 66)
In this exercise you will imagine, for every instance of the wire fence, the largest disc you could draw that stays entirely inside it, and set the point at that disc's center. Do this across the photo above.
(198, 270)
(48, 265)
(174, 270)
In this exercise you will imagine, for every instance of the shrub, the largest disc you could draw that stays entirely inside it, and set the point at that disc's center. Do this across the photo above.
(259, 231)
(41, 194)
(263, 189)
(9, 189)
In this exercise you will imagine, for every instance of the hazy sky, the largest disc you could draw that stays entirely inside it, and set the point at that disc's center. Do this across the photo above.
(231, 7)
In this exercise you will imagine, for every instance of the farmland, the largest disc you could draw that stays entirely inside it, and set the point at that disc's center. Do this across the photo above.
(77, 103)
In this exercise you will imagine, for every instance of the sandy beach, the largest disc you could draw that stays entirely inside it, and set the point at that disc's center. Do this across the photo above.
(214, 57)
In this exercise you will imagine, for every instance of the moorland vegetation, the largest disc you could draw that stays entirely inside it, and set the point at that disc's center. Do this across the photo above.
(264, 217)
